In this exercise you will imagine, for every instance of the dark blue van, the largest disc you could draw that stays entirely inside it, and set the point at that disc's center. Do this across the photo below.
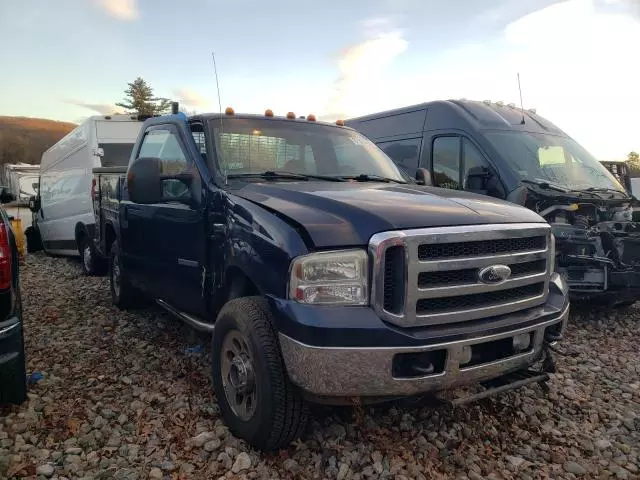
(514, 154)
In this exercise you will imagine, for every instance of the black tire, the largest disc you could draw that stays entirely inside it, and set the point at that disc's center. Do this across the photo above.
(91, 261)
(123, 294)
(280, 414)
(34, 241)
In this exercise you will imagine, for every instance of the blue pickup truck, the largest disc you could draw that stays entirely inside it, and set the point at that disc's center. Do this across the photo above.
(322, 271)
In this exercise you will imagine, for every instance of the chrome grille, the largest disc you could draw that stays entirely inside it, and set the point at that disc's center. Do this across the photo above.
(431, 276)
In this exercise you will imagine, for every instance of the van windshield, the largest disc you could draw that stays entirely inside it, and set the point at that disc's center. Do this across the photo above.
(253, 146)
(559, 160)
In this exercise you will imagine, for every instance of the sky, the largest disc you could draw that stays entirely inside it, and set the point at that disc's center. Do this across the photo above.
(578, 59)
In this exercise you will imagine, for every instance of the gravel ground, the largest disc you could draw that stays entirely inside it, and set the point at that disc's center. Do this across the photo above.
(127, 395)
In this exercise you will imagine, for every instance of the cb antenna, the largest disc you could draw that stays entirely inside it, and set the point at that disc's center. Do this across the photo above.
(215, 72)
(521, 104)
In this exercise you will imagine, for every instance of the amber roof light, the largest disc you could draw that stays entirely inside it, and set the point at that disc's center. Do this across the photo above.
(340, 123)
(311, 117)
(291, 115)
(229, 111)
(268, 112)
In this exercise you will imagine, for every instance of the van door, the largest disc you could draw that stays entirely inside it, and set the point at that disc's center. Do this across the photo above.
(451, 157)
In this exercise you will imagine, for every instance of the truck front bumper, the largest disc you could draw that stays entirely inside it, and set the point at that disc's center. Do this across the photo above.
(389, 369)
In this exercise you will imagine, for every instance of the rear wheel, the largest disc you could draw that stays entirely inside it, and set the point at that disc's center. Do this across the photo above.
(92, 263)
(257, 400)
(34, 241)
(123, 294)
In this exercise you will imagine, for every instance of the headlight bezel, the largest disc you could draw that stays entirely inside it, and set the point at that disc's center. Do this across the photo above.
(298, 286)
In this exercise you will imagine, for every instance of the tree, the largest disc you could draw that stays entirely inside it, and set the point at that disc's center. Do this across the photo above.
(139, 99)
(634, 159)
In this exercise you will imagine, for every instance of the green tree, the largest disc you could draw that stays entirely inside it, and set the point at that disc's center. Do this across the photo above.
(140, 99)
(634, 159)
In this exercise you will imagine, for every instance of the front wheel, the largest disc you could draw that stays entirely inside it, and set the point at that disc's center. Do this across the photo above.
(257, 400)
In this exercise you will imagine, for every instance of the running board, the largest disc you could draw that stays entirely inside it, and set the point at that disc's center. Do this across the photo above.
(505, 383)
(186, 318)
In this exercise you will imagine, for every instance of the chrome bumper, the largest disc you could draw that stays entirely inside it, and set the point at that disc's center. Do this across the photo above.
(368, 372)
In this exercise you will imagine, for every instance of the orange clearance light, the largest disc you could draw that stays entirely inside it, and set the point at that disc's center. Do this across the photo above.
(291, 115)
(229, 111)
(340, 123)
(268, 112)
(311, 117)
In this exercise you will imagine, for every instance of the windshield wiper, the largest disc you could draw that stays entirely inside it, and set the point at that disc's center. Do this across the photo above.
(273, 175)
(364, 177)
(605, 190)
(545, 185)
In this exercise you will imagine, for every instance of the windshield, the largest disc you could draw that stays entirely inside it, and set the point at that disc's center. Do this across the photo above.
(248, 145)
(559, 160)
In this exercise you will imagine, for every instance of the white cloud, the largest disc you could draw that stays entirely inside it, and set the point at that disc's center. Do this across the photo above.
(361, 67)
(190, 98)
(101, 108)
(578, 64)
(121, 9)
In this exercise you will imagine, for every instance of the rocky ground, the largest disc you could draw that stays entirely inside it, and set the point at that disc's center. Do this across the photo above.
(128, 396)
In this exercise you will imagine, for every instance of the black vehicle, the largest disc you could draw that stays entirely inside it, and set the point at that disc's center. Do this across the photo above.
(322, 272)
(13, 386)
(513, 154)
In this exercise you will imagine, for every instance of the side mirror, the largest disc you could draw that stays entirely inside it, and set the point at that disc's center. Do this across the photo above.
(6, 196)
(147, 184)
(423, 177)
(34, 204)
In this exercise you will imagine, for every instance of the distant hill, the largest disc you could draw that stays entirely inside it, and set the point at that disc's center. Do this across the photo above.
(24, 139)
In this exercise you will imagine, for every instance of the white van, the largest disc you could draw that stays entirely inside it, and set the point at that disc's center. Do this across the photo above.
(64, 216)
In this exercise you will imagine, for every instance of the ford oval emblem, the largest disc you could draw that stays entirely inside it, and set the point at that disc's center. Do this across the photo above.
(494, 274)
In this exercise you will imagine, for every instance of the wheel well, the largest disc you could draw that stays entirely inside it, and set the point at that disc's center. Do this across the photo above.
(239, 284)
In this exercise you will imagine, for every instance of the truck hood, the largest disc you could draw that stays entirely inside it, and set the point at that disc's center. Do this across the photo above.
(348, 214)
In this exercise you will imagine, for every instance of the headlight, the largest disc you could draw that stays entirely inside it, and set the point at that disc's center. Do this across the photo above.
(330, 278)
(552, 249)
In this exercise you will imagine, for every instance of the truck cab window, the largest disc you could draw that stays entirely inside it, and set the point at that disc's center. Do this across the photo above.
(446, 162)
(164, 144)
(404, 153)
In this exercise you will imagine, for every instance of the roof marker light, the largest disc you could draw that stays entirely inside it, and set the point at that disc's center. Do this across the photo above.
(291, 115)
(487, 102)
(340, 123)
(229, 111)
(268, 112)
(311, 117)
(500, 103)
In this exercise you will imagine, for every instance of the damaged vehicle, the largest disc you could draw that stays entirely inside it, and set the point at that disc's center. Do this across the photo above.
(322, 274)
(515, 154)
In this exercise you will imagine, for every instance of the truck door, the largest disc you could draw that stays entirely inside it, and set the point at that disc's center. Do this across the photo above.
(169, 238)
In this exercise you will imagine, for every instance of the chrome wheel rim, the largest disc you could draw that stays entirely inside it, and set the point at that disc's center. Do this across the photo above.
(86, 258)
(115, 275)
(238, 375)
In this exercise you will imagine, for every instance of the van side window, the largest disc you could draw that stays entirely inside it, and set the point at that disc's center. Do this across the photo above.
(164, 144)
(471, 157)
(404, 153)
(446, 162)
